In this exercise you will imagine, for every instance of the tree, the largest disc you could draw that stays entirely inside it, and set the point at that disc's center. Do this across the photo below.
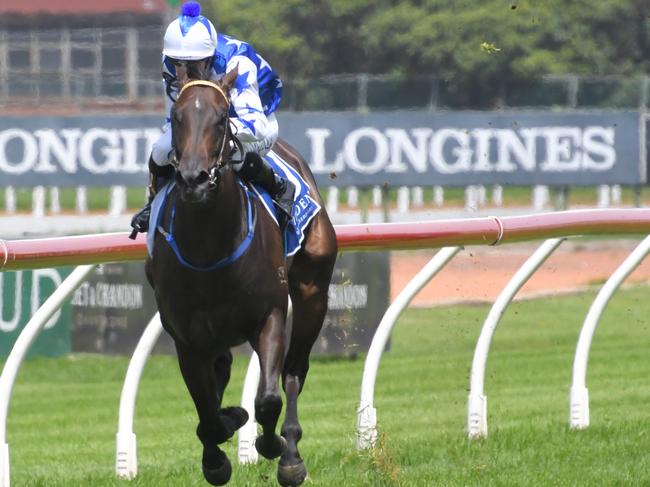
(476, 47)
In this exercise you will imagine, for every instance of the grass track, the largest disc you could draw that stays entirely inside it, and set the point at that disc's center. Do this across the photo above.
(63, 417)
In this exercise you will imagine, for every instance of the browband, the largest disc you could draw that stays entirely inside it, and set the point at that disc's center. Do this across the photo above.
(199, 82)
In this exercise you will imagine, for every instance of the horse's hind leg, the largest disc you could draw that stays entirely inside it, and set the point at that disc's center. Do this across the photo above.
(205, 387)
(270, 346)
(309, 285)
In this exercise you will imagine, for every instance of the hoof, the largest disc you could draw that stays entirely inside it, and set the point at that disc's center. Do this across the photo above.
(233, 417)
(217, 472)
(270, 449)
(292, 474)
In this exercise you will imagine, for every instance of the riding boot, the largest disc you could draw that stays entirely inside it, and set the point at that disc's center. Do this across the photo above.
(256, 170)
(158, 177)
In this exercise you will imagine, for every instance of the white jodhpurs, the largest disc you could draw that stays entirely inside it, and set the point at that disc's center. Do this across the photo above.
(162, 148)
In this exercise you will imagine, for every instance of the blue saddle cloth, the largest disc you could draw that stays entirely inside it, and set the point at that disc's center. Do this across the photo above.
(305, 208)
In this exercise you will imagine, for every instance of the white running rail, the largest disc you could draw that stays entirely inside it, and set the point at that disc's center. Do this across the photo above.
(246, 452)
(579, 394)
(126, 459)
(367, 414)
(19, 350)
(111, 248)
(477, 401)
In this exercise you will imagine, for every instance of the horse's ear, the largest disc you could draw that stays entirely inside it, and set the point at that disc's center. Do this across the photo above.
(229, 79)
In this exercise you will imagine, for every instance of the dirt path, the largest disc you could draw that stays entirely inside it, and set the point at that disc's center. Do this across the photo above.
(480, 273)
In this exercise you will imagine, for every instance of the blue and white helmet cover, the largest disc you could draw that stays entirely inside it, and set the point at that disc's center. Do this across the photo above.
(192, 37)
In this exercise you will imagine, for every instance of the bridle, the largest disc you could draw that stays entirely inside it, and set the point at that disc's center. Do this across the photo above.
(215, 170)
(214, 175)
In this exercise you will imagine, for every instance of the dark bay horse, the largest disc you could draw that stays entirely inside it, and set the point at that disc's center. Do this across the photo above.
(223, 280)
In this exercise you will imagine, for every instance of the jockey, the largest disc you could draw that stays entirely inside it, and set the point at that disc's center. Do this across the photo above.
(192, 42)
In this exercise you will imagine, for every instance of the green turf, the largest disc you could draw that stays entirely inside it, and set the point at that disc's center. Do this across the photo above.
(64, 414)
(512, 196)
(98, 199)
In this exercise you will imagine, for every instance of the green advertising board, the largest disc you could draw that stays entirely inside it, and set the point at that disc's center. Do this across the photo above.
(108, 312)
(21, 294)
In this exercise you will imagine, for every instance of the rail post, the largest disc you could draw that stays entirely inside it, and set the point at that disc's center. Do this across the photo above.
(19, 350)
(579, 394)
(126, 458)
(477, 400)
(246, 452)
(366, 413)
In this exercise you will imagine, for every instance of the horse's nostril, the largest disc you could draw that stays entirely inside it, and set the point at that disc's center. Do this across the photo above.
(193, 178)
(202, 178)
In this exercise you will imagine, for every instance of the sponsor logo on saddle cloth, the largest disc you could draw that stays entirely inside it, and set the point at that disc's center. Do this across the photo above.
(305, 208)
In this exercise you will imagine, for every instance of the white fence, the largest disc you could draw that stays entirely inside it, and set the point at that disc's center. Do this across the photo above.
(451, 235)
(408, 198)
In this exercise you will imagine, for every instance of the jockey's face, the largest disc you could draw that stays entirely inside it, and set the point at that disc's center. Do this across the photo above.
(194, 69)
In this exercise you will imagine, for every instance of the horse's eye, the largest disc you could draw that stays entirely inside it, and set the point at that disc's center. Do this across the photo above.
(219, 115)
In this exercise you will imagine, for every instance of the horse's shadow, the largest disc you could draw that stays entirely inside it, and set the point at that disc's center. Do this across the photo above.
(221, 279)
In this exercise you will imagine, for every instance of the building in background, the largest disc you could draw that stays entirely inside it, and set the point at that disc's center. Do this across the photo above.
(68, 55)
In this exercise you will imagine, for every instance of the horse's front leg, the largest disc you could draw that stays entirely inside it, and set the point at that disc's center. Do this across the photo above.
(270, 347)
(232, 417)
(205, 379)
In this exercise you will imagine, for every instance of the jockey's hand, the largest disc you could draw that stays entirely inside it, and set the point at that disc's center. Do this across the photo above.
(140, 221)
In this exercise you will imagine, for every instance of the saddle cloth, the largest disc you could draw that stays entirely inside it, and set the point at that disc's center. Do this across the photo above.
(305, 208)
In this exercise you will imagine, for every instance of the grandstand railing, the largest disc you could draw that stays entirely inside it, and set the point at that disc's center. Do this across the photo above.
(450, 235)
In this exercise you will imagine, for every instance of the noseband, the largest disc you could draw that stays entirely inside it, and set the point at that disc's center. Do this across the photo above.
(215, 169)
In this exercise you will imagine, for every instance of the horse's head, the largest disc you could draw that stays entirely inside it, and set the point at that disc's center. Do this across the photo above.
(200, 133)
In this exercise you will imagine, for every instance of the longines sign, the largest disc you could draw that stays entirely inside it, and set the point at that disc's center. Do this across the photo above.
(74, 151)
(396, 148)
(462, 148)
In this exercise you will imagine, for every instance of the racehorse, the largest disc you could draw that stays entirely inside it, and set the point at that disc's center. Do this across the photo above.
(220, 278)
